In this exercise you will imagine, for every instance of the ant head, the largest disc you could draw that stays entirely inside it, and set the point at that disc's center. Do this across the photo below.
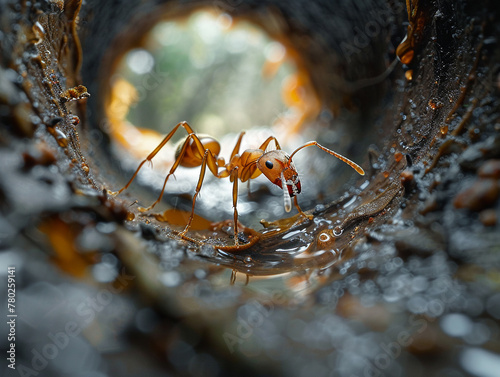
(280, 170)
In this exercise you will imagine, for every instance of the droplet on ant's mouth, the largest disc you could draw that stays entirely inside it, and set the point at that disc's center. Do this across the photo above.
(286, 194)
(38, 31)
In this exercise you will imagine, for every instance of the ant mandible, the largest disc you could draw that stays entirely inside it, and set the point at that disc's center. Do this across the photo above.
(204, 150)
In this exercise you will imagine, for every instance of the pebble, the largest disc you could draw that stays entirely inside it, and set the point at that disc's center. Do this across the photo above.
(481, 195)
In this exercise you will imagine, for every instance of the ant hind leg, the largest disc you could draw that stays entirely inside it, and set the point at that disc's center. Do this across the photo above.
(152, 155)
(198, 188)
(171, 172)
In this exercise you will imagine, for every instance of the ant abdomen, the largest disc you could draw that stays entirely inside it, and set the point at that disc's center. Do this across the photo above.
(192, 157)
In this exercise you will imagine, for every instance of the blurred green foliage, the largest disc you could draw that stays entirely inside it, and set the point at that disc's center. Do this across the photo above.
(207, 70)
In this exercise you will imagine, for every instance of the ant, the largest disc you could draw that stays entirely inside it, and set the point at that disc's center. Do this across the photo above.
(202, 150)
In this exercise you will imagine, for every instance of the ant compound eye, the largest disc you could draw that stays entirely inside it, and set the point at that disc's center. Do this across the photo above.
(269, 164)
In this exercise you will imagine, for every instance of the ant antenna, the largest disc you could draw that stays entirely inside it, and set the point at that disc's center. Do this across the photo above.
(352, 164)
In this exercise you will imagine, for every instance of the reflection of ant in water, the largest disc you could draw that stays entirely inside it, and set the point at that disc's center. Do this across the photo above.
(202, 150)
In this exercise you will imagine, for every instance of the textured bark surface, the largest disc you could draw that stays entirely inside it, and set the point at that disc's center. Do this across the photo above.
(397, 275)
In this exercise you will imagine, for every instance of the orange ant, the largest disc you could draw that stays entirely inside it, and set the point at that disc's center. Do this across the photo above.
(202, 150)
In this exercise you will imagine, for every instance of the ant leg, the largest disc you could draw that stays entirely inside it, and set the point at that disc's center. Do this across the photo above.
(236, 148)
(153, 154)
(198, 188)
(172, 171)
(268, 140)
(264, 145)
(335, 154)
(234, 177)
(114, 193)
(302, 213)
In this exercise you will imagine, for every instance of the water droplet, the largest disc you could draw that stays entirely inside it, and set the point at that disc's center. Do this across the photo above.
(248, 261)
(286, 195)
(104, 272)
(435, 104)
(39, 32)
(337, 231)
(324, 237)
(200, 274)
(456, 324)
(409, 74)
(479, 362)
(319, 208)
(106, 228)
(171, 278)
(140, 61)
(61, 138)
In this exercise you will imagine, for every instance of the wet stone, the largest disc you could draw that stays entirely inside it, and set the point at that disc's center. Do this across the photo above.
(430, 205)
(38, 155)
(488, 217)
(418, 241)
(480, 195)
(490, 169)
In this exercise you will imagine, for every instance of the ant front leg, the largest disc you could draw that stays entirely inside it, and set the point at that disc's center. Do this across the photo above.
(302, 213)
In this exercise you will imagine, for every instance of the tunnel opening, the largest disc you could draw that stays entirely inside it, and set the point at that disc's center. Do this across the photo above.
(223, 74)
